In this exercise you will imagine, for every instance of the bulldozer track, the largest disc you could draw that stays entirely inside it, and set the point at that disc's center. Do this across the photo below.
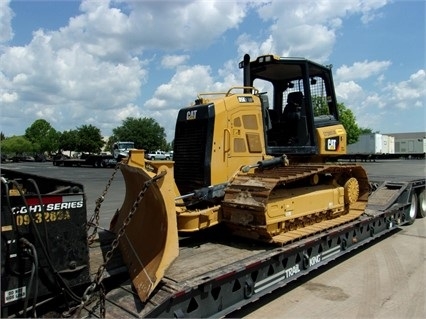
(287, 174)
(251, 192)
(317, 228)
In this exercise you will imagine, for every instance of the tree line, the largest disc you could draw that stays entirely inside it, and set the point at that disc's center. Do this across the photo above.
(41, 138)
(146, 133)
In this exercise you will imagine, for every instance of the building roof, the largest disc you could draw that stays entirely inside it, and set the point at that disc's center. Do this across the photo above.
(411, 135)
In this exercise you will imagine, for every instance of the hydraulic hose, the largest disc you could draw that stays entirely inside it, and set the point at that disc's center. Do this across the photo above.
(34, 274)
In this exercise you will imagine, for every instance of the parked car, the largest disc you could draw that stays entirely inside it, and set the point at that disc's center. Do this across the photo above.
(158, 155)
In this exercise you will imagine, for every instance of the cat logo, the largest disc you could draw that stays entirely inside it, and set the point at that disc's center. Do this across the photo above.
(332, 144)
(191, 115)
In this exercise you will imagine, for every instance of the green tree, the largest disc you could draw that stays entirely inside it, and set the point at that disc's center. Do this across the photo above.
(2, 137)
(346, 117)
(145, 132)
(366, 131)
(17, 145)
(68, 140)
(320, 105)
(89, 139)
(43, 136)
(86, 138)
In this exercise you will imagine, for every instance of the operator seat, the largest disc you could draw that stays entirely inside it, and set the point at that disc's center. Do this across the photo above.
(294, 105)
(292, 116)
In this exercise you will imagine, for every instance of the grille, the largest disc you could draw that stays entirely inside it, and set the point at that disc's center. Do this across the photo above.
(190, 151)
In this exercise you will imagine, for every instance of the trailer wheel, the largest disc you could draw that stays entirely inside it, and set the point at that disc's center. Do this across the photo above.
(412, 213)
(248, 288)
(421, 213)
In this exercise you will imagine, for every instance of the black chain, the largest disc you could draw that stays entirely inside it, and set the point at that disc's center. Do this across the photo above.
(94, 219)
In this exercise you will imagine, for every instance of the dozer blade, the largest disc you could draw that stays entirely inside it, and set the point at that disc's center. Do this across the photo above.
(149, 243)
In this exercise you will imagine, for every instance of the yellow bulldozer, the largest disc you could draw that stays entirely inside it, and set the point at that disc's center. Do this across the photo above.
(262, 163)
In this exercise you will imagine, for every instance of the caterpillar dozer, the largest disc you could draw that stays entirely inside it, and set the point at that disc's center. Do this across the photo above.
(261, 163)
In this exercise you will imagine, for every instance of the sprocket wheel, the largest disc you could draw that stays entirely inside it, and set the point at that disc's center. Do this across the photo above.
(351, 190)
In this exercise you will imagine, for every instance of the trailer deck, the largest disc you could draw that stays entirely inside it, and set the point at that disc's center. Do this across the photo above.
(213, 277)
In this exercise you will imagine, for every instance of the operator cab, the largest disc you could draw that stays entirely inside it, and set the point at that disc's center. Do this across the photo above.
(300, 98)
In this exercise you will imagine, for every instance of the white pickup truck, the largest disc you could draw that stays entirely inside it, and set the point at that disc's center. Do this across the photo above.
(158, 155)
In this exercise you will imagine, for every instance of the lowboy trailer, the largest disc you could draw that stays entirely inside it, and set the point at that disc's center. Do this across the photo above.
(212, 276)
(92, 160)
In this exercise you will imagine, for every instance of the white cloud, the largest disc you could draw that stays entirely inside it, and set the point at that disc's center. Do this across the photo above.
(361, 70)
(182, 88)
(8, 97)
(312, 41)
(229, 76)
(6, 16)
(369, 7)
(408, 94)
(94, 63)
(246, 44)
(309, 28)
(38, 73)
(171, 61)
(182, 24)
(298, 12)
(370, 106)
(346, 90)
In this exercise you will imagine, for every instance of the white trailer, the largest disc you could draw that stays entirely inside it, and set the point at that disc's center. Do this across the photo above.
(372, 143)
(370, 147)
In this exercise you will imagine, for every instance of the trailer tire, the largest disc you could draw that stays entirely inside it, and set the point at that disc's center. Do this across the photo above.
(421, 212)
(412, 213)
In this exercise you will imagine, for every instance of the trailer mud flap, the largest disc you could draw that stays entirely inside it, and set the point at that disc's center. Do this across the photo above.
(149, 240)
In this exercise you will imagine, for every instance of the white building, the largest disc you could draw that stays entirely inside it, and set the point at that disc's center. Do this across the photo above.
(409, 143)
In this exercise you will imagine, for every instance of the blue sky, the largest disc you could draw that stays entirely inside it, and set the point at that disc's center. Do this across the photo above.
(97, 62)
